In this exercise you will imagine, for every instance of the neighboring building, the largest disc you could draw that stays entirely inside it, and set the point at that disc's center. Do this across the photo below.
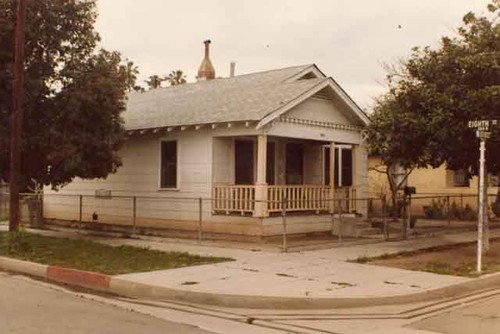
(431, 182)
(246, 142)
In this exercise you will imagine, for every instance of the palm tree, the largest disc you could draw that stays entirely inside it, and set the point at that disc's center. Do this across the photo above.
(131, 71)
(176, 78)
(154, 81)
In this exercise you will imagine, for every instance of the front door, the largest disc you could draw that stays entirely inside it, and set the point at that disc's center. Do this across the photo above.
(244, 162)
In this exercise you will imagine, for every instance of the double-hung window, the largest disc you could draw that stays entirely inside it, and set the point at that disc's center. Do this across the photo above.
(168, 168)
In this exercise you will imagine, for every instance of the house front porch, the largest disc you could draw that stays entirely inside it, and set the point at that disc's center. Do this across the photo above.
(262, 176)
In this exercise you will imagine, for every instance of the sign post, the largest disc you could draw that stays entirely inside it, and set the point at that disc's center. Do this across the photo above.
(483, 132)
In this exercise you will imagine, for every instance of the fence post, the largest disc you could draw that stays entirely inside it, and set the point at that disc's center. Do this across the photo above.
(405, 224)
(384, 218)
(283, 216)
(200, 219)
(80, 215)
(448, 210)
(409, 214)
(333, 216)
(134, 215)
(339, 234)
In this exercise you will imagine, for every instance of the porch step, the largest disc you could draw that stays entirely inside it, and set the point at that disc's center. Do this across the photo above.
(364, 228)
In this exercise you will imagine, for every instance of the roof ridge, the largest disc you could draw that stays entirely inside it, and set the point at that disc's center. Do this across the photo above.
(219, 79)
(268, 71)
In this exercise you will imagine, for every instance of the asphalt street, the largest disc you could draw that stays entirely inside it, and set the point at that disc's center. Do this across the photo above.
(31, 306)
(28, 306)
(483, 317)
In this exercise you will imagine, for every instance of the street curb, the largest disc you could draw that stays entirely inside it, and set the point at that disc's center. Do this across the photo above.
(126, 288)
(24, 267)
(80, 278)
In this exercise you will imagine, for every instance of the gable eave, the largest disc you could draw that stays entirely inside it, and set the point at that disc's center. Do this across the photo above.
(361, 115)
(311, 69)
(328, 82)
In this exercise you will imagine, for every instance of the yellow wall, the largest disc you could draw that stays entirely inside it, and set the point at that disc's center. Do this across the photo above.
(428, 182)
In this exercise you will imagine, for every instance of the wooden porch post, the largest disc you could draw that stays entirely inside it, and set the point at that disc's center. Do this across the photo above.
(261, 205)
(355, 179)
(332, 176)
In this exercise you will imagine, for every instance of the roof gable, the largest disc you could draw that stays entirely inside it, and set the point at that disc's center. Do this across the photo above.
(330, 89)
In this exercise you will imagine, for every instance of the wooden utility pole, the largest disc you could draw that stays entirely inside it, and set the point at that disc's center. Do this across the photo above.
(16, 126)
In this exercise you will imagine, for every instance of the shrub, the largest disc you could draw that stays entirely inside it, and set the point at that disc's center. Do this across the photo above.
(495, 207)
(436, 210)
(462, 213)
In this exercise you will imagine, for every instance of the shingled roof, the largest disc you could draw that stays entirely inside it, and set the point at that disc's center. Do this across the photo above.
(249, 97)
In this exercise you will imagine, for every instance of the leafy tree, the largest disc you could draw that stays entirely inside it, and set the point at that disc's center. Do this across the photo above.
(176, 78)
(73, 96)
(154, 81)
(422, 121)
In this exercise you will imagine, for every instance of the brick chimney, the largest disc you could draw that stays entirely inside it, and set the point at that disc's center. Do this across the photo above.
(206, 70)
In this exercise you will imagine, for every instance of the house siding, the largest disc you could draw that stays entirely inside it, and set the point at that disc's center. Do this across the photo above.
(139, 176)
(321, 110)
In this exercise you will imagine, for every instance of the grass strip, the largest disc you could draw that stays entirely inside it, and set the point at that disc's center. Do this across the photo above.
(92, 256)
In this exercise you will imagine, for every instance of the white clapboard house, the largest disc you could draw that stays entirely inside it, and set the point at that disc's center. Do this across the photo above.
(244, 144)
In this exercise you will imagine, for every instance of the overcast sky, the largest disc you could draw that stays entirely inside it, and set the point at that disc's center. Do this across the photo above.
(349, 40)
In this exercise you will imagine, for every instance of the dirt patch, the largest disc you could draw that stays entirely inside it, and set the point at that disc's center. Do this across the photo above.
(459, 260)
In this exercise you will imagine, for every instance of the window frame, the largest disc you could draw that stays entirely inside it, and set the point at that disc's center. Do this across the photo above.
(160, 165)
(338, 175)
(456, 184)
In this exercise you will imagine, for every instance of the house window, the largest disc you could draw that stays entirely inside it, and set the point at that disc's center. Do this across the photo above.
(346, 168)
(460, 178)
(343, 167)
(294, 163)
(271, 153)
(168, 176)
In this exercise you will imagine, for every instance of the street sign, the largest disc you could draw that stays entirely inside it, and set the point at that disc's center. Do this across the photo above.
(483, 125)
(483, 132)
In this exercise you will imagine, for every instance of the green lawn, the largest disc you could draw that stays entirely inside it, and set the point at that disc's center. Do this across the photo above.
(92, 256)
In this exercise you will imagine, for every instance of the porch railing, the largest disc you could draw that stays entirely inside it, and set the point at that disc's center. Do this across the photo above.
(234, 198)
(300, 198)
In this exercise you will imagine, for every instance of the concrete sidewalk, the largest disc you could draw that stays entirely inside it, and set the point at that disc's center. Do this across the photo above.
(308, 275)
(313, 274)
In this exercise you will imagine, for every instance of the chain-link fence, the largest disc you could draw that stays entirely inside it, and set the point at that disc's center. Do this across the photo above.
(202, 219)
(427, 214)
(30, 207)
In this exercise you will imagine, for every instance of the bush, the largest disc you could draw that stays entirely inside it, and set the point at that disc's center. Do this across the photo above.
(437, 210)
(495, 207)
